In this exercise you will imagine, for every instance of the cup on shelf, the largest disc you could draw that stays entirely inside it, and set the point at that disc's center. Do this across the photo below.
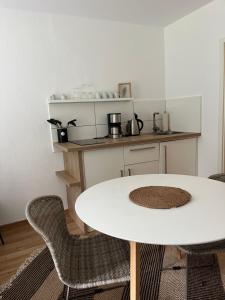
(63, 97)
(76, 93)
(115, 95)
(52, 97)
(105, 95)
(110, 94)
(84, 95)
(91, 95)
(98, 95)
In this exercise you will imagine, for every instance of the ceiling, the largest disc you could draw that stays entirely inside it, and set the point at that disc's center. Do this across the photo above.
(151, 12)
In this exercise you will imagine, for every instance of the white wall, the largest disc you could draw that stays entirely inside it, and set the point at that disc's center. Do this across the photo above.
(185, 114)
(41, 54)
(192, 67)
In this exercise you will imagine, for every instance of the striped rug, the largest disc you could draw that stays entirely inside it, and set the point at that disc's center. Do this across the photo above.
(163, 277)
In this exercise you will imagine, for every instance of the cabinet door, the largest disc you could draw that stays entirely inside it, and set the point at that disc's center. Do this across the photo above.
(142, 168)
(179, 157)
(102, 164)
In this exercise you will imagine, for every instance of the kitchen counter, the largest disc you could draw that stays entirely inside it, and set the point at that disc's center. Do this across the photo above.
(130, 140)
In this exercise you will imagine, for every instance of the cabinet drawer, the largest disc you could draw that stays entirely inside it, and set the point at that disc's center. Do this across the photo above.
(141, 153)
(142, 168)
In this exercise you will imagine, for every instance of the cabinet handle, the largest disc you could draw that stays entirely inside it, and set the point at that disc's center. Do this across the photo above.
(121, 173)
(165, 148)
(145, 148)
(129, 172)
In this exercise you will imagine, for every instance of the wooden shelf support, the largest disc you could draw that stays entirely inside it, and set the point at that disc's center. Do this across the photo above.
(69, 180)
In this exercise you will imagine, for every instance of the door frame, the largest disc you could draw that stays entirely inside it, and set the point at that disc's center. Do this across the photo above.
(221, 129)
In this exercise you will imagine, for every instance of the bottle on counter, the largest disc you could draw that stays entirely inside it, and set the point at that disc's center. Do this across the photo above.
(165, 121)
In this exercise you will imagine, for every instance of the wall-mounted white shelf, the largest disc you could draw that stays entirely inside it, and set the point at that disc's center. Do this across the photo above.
(89, 100)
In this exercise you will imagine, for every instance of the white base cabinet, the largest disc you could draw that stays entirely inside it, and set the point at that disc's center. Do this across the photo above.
(175, 157)
(179, 157)
(105, 164)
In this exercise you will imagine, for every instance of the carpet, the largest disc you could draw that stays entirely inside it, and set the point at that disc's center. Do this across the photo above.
(163, 277)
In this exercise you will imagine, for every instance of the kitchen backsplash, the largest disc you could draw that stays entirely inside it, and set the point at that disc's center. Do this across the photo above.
(91, 117)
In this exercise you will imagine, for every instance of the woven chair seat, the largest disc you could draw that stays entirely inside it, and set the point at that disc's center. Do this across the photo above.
(96, 261)
(209, 247)
(204, 248)
(80, 262)
(219, 177)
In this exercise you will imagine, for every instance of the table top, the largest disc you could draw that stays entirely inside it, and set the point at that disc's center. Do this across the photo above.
(107, 208)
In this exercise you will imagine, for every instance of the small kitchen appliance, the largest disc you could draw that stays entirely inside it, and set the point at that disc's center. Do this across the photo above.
(134, 126)
(114, 125)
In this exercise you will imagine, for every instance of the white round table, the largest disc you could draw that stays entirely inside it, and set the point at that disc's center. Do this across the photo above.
(107, 208)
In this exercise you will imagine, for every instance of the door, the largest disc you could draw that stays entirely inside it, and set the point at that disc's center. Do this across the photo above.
(103, 164)
(179, 157)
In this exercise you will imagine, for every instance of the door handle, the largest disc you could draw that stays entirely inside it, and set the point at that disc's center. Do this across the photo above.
(165, 151)
(145, 148)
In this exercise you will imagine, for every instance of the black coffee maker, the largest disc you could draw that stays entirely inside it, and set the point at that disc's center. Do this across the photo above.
(114, 125)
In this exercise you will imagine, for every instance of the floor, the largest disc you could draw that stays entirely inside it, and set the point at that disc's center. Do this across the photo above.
(20, 241)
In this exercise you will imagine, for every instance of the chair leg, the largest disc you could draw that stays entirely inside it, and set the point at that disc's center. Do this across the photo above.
(180, 254)
(67, 293)
(1, 238)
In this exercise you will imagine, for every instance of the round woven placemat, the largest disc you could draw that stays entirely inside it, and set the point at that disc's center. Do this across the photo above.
(160, 197)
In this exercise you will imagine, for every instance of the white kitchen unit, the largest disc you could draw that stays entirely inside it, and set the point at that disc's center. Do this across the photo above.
(105, 164)
(179, 157)
(102, 164)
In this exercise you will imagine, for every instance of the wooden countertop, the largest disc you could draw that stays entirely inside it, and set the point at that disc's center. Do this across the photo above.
(130, 140)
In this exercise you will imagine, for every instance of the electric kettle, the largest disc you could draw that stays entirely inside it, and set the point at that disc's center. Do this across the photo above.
(134, 126)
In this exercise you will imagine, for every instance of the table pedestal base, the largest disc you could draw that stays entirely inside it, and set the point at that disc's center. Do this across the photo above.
(134, 271)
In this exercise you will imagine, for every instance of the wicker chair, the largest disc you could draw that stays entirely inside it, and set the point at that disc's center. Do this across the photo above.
(208, 248)
(80, 263)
